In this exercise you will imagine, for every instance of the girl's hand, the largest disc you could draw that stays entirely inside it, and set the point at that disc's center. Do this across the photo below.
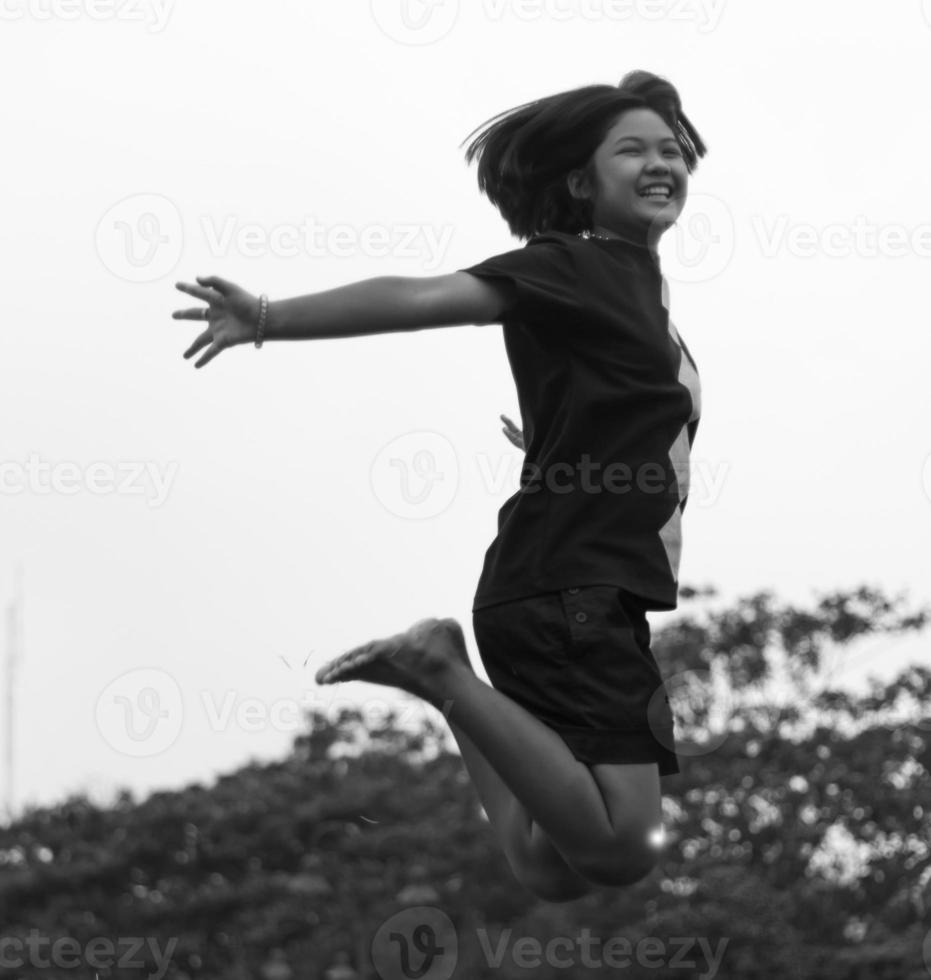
(512, 432)
(231, 312)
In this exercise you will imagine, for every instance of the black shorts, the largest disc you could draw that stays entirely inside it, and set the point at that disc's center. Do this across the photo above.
(580, 660)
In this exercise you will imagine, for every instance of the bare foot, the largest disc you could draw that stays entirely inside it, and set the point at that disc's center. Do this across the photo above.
(413, 661)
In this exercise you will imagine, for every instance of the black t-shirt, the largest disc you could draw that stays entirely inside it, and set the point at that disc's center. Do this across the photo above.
(609, 399)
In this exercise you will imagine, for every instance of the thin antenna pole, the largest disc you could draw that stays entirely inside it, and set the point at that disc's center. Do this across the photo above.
(14, 635)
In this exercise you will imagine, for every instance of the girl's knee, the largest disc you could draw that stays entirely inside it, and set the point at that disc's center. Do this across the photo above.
(553, 885)
(547, 874)
(537, 864)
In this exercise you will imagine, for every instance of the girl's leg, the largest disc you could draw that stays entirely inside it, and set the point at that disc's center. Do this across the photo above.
(530, 852)
(560, 793)
(532, 856)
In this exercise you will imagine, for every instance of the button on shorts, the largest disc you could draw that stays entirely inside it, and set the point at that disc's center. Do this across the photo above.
(579, 660)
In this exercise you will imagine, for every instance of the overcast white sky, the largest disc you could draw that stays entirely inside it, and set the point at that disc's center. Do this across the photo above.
(182, 531)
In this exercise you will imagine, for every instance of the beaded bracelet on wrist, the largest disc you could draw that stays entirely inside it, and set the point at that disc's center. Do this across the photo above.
(263, 316)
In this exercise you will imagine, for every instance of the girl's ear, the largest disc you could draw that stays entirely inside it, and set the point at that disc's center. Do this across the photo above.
(578, 183)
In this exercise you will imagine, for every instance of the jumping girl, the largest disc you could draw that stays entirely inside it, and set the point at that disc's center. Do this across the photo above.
(567, 747)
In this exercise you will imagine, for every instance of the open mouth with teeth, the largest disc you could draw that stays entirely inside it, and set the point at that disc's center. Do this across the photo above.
(657, 192)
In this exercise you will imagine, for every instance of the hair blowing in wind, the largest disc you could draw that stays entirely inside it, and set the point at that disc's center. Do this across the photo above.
(525, 153)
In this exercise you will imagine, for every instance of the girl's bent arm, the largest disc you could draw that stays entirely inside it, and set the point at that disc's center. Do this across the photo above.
(389, 304)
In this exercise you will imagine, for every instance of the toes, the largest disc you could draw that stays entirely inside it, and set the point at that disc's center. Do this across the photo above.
(348, 663)
(344, 665)
(332, 670)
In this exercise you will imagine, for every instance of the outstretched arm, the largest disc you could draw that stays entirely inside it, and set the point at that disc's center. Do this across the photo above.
(386, 304)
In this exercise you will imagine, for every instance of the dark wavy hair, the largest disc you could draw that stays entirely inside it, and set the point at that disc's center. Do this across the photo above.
(525, 154)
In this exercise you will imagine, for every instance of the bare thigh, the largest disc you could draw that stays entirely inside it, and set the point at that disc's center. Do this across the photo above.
(632, 795)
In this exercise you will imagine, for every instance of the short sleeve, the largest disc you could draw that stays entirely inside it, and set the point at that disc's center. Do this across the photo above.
(544, 273)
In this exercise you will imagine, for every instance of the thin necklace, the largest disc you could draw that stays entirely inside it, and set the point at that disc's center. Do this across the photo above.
(591, 234)
(608, 238)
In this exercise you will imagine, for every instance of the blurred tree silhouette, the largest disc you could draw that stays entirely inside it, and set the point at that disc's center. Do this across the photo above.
(797, 833)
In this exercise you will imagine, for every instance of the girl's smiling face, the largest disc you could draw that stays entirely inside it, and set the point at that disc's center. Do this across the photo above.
(639, 150)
